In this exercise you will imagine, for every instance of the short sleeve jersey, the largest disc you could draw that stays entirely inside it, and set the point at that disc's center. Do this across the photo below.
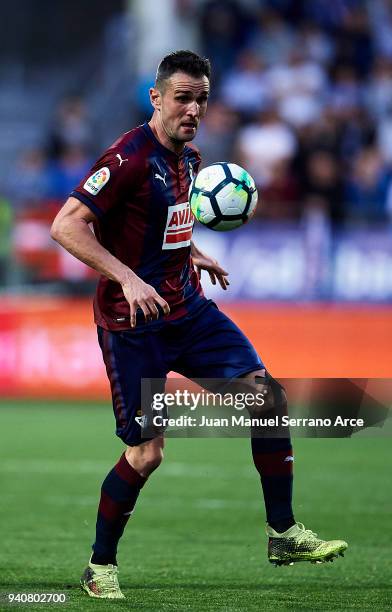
(138, 191)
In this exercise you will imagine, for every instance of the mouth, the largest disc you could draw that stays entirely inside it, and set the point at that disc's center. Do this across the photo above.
(189, 125)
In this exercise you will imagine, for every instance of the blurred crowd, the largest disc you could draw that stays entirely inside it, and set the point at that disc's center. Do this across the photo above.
(36, 189)
(301, 97)
(50, 172)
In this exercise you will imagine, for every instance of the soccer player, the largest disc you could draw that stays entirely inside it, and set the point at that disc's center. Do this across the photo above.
(153, 317)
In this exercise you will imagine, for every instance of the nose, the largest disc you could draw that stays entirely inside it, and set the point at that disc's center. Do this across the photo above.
(193, 109)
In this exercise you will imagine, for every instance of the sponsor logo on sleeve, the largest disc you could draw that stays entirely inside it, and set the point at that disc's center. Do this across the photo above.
(97, 180)
(179, 225)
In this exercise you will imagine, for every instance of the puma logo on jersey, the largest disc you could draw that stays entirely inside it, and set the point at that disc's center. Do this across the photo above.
(179, 225)
(121, 159)
(161, 178)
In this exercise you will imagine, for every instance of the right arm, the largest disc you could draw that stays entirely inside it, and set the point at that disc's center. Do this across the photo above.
(71, 230)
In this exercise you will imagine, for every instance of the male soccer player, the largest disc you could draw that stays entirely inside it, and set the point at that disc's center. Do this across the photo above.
(152, 315)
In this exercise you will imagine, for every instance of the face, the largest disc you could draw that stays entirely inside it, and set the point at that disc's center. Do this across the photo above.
(181, 105)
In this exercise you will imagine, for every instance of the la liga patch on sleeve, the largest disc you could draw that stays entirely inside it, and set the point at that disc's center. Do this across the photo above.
(97, 180)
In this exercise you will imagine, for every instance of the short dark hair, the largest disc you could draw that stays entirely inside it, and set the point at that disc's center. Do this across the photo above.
(182, 61)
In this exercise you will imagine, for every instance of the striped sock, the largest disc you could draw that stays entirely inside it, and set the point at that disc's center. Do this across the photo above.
(273, 458)
(119, 493)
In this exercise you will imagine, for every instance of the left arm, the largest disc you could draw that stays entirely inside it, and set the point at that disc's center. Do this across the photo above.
(205, 262)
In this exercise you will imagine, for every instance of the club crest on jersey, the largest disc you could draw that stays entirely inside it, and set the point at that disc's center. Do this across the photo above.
(179, 225)
(97, 180)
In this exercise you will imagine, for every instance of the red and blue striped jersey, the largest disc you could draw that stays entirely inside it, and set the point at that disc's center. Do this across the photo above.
(138, 191)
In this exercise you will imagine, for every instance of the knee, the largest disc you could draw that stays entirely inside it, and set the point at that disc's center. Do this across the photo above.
(145, 458)
(152, 461)
(275, 398)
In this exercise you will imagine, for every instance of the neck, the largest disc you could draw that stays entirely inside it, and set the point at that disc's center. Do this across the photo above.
(160, 133)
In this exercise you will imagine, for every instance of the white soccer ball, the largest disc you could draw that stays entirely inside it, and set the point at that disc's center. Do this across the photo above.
(223, 196)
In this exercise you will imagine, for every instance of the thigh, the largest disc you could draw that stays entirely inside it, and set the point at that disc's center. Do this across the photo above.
(212, 346)
(129, 357)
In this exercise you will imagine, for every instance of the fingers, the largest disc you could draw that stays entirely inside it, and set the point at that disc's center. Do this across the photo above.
(215, 271)
(146, 311)
(221, 278)
(142, 296)
(216, 268)
(154, 311)
(209, 264)
(223, 281)
(219, 270)
(163, 304)
(149, 309)
(133, 307)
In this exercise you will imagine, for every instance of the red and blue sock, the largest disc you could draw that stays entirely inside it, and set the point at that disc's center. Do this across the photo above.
(119, 493)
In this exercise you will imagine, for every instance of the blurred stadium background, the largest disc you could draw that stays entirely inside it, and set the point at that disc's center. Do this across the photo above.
(301, 96)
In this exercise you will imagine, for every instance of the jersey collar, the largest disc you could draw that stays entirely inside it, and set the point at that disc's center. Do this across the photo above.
(164, 149)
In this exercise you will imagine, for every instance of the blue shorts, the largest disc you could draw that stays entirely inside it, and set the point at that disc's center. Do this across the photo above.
(205, 345)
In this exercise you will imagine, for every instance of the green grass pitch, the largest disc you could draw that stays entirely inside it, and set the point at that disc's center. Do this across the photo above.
(196, 540)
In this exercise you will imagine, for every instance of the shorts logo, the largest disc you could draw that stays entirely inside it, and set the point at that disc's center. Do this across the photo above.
(97, 180)
(141, 420)
(179, 225)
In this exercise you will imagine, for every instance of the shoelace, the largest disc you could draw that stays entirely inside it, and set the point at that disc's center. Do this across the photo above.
(306, 532)
(107, 579)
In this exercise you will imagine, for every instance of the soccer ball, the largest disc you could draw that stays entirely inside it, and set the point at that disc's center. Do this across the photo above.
(223, 196)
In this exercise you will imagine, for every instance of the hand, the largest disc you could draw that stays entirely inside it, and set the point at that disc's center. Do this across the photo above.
(141, 295)
(205, 262)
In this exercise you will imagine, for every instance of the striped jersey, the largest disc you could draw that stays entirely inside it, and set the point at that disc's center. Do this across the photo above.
(138, 191)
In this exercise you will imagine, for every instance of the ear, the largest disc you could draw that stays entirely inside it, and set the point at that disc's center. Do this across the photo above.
(155, 98)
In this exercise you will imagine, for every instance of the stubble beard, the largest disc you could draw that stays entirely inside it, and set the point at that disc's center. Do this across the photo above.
(175, 136)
